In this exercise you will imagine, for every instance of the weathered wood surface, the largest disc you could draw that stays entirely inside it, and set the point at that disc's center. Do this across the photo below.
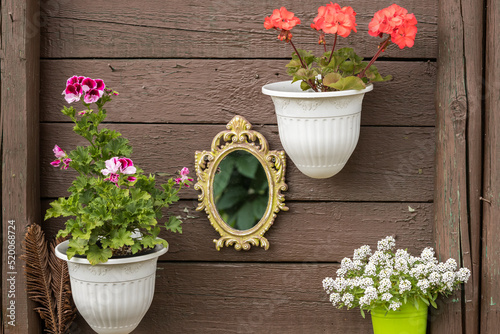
(20, 160)
(458, 156)
(308, 232)
(389, 163)
(214, 29)
(490, 286)
(168, 91)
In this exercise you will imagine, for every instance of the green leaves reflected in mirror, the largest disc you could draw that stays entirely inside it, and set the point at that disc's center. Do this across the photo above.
(241, 183)
(241, 190)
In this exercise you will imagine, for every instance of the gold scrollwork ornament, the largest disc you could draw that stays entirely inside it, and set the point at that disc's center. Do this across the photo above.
(240, 136)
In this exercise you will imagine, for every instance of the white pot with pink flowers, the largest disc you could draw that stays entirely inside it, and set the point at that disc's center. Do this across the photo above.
(319, 110)
(114, 212)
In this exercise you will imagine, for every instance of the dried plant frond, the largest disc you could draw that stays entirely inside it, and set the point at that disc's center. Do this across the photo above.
(48, 281)
(38, 277)
(61, 288)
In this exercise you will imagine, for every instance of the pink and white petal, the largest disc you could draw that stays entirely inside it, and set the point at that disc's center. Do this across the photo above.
(88, 84)
(56, 163)
(129, 170)
(92, 96)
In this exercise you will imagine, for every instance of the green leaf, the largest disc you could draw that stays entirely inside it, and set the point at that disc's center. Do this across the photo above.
(348, 83)
(373, 75)
(425, 300)
(231, 196)
(247, 165)
(96, 254)
(433, 303)
(331, 78)
(362, 313)
(174, 224)
(304, 86)
(245, 218)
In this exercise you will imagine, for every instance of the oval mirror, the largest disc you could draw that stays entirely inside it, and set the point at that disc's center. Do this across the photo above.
(240, 190)
(241, 183)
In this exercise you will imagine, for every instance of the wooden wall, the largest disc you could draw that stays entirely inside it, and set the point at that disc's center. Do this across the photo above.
(183, 70)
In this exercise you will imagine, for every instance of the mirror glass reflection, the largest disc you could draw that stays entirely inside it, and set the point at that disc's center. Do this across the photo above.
(241, 190)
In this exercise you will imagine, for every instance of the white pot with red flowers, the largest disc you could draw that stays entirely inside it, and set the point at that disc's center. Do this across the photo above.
(319, 110)
(114, 213)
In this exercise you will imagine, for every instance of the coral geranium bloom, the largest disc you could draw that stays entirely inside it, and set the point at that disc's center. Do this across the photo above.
(281, 19)
(332, 19)
(404, 36)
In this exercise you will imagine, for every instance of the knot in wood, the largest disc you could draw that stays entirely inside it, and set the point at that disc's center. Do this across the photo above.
(458, 108)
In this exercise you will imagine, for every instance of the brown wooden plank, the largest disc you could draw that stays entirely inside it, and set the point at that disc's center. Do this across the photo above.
(312, 232)
(457, 216)
(168, 91)
(215, 29)
(389, 164)
(20, 160)
(490, 287)
(244, 298)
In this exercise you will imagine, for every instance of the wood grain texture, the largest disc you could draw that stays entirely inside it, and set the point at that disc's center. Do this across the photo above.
(490, 287)
(245, 298)
(20, 160)
(458, 150)
(168, 91)
(214, 29)
(308, 232)
(389, 164)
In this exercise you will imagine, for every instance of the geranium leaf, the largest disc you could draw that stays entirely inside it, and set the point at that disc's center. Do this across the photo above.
(174, 224)
(96, 255)
(348, 83)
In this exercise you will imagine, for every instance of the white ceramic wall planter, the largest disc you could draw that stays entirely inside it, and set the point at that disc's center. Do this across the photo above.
(318, 130)
(112, 297)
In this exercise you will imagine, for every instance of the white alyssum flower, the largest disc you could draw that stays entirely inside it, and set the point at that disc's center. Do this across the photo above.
(463, 274)
(371, 293)
(434, 278)
(357, 265)
(366, 282)
(448, 278)
(451, 264)
(401, 265)
(346, 264)
(395, 306)
(386, 297)
(384, 285)
(328, 284)
(385, 273)
(347, 299)
(335, 299)
(341, 272)
(386, 244)
(339, 284)
(404, 285)
(370, 269)
(428, 255)
(423, 285)
(362, 253)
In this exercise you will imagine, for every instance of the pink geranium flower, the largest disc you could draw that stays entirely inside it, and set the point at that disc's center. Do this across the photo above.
(92, 95)
(127, 166)
(88, 84)
(184, 176)
(115, 166)
(58, 152)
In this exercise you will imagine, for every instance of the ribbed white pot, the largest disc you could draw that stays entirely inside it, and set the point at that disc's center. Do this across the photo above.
(112, 297)
(318, 130)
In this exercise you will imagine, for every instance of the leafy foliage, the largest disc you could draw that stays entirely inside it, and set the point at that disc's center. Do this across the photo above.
(332, 71)
(108, 216)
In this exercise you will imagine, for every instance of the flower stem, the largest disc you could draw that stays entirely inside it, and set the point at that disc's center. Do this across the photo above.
(309, 82)
(298, 55)
(333, 48)
(382, 47)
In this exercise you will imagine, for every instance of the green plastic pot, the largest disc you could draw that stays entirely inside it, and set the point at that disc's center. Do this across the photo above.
(407, 320)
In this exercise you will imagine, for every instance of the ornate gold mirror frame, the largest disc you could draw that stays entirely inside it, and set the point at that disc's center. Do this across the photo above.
(239, 136)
